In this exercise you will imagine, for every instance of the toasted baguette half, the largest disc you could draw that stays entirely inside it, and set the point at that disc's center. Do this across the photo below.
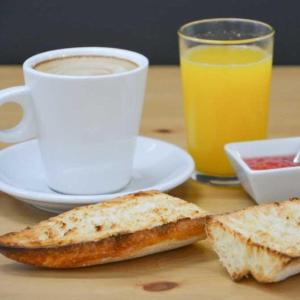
(124, 228)
(262, 240)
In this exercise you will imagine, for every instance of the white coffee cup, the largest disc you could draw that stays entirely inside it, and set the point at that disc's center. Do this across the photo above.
(86, 125)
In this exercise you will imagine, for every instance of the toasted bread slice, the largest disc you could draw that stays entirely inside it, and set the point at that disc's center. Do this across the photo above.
(263, 241)
(126, 227)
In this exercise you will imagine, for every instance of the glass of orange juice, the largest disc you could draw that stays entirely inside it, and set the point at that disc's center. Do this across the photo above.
(226, 69)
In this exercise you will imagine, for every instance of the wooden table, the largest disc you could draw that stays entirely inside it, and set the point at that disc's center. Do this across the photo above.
(194, 271)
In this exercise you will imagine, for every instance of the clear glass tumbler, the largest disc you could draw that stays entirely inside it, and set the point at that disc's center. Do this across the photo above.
(226, 69)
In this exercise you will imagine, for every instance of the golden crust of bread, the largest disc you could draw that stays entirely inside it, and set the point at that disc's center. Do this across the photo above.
(171, 223)
(262, 240)
(123, 246)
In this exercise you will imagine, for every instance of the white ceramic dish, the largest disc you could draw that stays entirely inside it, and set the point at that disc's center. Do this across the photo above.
(157, 165)
(266, 185)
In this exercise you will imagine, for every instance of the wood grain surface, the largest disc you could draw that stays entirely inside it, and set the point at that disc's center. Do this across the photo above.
(192, 272)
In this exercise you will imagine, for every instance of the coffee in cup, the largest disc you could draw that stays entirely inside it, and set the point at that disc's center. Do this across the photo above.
(84, 105)
(92, 65)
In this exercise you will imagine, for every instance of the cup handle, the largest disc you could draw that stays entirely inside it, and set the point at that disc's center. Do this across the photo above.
(26, 129)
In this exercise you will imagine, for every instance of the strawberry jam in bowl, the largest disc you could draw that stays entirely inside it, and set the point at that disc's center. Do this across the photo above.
(266, 169)
(271, 162)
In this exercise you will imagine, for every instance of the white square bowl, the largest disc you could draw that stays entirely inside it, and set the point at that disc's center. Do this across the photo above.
(266, 185)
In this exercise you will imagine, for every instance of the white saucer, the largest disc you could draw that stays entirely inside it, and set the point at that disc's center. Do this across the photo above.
(157, 165)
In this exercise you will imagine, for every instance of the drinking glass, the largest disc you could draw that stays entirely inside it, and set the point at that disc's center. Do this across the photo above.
(226, 69)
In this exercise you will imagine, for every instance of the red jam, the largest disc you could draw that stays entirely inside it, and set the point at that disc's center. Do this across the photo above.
(271, 162)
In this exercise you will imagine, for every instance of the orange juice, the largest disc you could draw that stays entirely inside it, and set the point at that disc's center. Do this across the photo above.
(226, 95)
